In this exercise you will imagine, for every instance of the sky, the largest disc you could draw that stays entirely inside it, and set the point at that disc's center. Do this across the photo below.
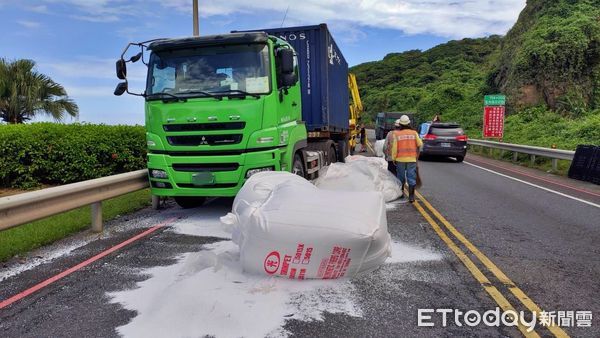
(76, 42)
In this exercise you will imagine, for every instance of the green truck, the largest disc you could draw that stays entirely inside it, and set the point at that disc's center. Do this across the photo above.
(221, 108)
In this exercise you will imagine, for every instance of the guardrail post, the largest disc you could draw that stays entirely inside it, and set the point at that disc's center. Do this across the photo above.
(97, 217)
(515, 156)
(554, 164)
(532, 160)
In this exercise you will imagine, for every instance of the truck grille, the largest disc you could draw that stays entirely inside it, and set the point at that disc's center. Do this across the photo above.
(197, 140)
(205, 126)
(206, 167)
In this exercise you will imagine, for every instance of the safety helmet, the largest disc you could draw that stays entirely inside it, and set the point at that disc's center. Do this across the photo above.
(404, 120)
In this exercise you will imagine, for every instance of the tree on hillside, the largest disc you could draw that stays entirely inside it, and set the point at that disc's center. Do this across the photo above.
(25, 93)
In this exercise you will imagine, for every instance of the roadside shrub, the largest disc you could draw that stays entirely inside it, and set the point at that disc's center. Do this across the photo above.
(51, 153)
(541, 127)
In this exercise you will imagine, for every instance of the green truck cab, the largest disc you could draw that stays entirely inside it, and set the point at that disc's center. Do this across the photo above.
(221, 108)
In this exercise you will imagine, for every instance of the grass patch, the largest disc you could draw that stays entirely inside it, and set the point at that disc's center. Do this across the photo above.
(33, 235)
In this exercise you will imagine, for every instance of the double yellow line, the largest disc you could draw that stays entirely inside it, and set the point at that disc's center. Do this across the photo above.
(370, 147)
(496, 295)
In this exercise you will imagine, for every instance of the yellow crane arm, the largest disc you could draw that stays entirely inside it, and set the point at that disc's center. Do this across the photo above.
(356, 109)
(356, 101)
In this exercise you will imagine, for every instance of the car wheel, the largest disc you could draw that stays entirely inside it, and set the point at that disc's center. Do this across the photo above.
(460, 158)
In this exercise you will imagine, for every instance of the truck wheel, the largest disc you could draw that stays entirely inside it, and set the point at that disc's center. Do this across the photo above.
(298, 166)
(155, 202)
(342, 153)
(187, 202)
(331, 155)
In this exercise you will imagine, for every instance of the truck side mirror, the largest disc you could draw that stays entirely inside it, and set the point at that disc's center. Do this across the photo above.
(286, 60)
(121, 69)
(288, 79)
(121, 88)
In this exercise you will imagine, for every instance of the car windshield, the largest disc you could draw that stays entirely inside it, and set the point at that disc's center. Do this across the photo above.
(210, 70)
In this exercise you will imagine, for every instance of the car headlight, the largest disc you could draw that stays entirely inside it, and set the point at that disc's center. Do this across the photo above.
(258, 170)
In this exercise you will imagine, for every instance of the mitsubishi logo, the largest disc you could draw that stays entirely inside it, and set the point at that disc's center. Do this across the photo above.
(203, 141)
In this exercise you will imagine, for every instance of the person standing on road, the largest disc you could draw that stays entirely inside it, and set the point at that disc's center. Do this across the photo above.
(387, 150)
(406, 146)
(363, 138)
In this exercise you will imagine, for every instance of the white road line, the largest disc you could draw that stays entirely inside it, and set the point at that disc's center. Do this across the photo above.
(537, 186)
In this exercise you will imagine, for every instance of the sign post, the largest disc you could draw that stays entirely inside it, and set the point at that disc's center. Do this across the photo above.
(493, 116)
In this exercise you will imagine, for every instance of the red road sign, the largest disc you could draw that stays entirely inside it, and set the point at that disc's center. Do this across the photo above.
(493, 121)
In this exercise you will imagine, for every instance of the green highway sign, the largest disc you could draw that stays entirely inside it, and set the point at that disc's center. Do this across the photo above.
(494, 100)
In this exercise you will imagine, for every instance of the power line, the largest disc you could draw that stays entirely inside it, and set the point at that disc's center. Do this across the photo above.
(285, 16)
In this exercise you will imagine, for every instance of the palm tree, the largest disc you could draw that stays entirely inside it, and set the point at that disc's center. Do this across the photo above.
(25, 93)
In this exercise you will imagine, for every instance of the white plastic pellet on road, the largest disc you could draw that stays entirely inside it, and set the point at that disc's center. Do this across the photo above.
(207, 293)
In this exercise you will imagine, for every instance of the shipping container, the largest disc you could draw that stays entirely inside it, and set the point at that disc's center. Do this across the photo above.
(323, 76)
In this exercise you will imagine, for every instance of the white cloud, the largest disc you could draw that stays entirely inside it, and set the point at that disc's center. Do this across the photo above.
(78, 92)
(447, 18)
(454, 19)
(93, 68)
(28, 24)
(100, 10)
(38, 9)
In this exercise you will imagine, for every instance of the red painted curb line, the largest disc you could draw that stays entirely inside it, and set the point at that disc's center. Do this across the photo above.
(85, 263)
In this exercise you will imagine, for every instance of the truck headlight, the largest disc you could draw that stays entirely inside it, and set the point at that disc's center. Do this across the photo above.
(258, 170)
(157, 173)
(264, 140)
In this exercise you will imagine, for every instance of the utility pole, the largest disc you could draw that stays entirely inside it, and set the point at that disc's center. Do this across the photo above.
(195, 14)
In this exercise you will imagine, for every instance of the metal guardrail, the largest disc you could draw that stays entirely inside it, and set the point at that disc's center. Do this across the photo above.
(30, 206)
(554, 154)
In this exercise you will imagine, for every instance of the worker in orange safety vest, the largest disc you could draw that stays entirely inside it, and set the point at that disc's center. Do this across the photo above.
(405, 149)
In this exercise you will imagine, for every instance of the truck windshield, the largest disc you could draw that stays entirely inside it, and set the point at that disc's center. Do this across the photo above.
(199, 72)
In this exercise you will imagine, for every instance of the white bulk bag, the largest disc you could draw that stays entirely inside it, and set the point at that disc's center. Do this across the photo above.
(360, 173)
(379, 148)
(301, 232)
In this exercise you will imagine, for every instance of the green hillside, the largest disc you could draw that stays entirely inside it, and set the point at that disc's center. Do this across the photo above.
(551, 57)
(548, 65)
(448, 79)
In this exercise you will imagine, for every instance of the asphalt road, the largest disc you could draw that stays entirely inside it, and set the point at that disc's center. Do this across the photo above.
(168, 284)
(546, 243)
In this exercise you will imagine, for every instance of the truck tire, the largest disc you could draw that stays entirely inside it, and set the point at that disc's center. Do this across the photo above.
(298, 166)
(156, 202)
(342, 150)
(187, 202)
(331, 155)
(327, 147)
